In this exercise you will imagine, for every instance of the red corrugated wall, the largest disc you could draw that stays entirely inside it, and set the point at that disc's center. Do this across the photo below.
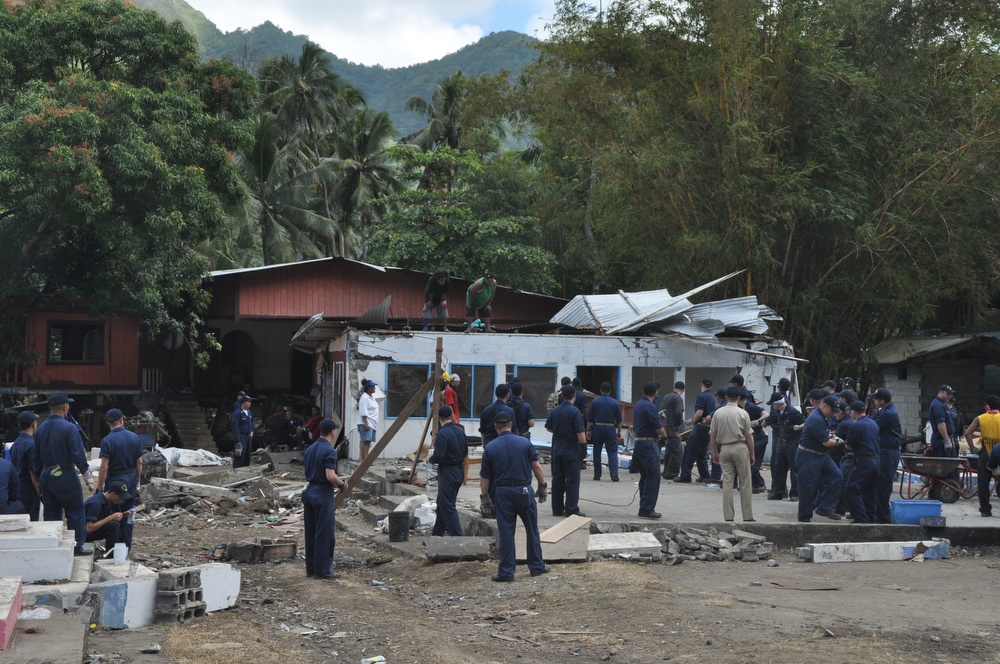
(120, 368)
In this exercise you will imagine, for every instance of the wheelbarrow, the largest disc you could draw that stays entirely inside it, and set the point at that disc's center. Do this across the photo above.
(937, 478)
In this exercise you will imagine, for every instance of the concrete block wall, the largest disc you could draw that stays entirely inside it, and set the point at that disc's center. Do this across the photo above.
(906, 396)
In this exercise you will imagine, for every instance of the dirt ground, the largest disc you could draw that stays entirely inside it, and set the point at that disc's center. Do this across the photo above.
(409, 611)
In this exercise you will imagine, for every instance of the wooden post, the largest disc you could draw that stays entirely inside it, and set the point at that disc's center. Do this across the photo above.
(418, 398)
(435, 404)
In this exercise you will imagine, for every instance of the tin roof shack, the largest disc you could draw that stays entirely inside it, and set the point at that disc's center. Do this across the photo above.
(914, 368)
(401, 362)
(255, 311)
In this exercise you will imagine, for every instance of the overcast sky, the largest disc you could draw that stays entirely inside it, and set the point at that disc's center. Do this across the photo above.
(392, 33)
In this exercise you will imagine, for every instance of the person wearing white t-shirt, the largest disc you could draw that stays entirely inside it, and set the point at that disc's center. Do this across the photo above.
(367, 416)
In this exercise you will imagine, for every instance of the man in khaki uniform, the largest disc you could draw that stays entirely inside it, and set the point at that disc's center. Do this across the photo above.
(731, 438)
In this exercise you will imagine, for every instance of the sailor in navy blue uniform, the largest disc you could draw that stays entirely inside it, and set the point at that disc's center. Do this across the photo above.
(450, 449)
(20, 456)
(55, 458)
(242, 433)
(649, 432)
(107, 517)
(508, 464)
(605, 419)
(320, 466)
(568, 437)
(890, 440)
(859, 487)
(121, 456)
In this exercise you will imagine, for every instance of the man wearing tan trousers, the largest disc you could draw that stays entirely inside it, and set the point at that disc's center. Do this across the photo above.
(731, 438)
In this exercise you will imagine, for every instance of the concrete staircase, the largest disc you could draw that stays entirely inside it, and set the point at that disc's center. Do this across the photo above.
(193, 430)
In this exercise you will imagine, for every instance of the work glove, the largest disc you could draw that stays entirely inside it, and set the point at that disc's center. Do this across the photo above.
(542, 492)
(88, 477)
(238, 450)
(486, 506)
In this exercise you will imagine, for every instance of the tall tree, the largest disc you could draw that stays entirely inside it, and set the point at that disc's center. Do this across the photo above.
(115, 160)
(443, 113)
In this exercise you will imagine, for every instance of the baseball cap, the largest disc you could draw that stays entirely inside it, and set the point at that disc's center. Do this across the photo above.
(369, 383)
(501, 418)
(737, 378)
(732, 392)
(784, 383)
(776, 397)
(946, 388)
(490, 275)
(444, 412)
(118, 486)
(679, 385)
(850, 396)
(455, 378)
(25, 419)
(243, 399)
(858, 406)
(59, 398)
(832, 401)
(817, 394)
(831, 384)
(327, 426)
(883, 394)
(649, 389)
(113, 415)
(707, 382)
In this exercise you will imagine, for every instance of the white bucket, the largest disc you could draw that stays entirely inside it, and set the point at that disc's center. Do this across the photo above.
(121, 553)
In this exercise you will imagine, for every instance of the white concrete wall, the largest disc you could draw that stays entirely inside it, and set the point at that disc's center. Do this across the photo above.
(370, 354)
(906, 396)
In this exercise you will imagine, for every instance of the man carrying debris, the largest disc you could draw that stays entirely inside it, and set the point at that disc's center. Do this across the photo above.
(672, 417)
(646, 453)
(450, 449)
(731, 439)
(819, 476)
(508, 464)
(242, 433)
(605, 419)
(121, 455)
(58, 448)
(988, 425)
(107, 515)
(565, 423)
(20, 455)
(320, 466)
(890, 439)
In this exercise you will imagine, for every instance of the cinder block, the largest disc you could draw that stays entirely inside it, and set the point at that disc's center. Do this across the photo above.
(455, 549)
(181, 578)
(10, 606)
(278, 549)
(180, 614)
(220, 585)
(245, 552)
(167, 599)
(46, 564)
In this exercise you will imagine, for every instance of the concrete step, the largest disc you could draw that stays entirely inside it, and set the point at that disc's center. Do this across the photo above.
(62, 595)
(60, 638)
(10, 606)
(37, 535)
(47, 564)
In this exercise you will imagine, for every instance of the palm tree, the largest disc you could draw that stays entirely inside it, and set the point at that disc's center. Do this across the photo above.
(365, 172)
(443, 112)
(282, 182)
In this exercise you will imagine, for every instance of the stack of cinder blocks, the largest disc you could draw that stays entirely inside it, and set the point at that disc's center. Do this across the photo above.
(179, 595)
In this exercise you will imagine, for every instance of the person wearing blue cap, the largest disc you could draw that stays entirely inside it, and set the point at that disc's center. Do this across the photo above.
(672, 417)
(121, 455)
(697, 445)
(20, 454)
(604, 418)
(107, 515)
(319, 508)
(451, 446)
(242, 433)
(565, 423)
(787, 421)
(367, 416)
(942, 423)
(649, 432)
(820, 479)
(862, 476)
(58, 449)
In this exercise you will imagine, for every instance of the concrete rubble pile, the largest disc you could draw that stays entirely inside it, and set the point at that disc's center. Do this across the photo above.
(713, 545)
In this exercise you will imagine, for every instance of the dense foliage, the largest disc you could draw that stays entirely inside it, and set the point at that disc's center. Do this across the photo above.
(115, 160)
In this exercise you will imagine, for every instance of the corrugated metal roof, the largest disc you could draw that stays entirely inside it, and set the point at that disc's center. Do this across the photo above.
(657, 309)
(898, 351)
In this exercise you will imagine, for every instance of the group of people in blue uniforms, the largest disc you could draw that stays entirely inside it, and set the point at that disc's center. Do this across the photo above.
(42, 475)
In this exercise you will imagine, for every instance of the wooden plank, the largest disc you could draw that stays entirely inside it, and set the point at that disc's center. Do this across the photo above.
(435, 404)
(363, 467)
(572, 548)
(192, 489)
(564, 528)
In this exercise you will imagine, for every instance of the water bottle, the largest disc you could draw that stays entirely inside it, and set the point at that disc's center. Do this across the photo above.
(131, 516)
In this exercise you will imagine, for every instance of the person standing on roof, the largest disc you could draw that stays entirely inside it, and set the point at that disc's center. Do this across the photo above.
(478, 299)
(436, 299)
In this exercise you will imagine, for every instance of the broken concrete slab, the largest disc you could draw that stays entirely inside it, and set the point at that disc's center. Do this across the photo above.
(10, 606)
(839, 552)
(612, 544)
(13, 522)
(194, 489)
(36, 535)
(261, 550)
(64, 595)
(458, 549)
(220, 585)
(59, 638)
(572, 548)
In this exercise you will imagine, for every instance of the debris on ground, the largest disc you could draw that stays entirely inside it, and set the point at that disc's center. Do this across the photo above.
(713, 545)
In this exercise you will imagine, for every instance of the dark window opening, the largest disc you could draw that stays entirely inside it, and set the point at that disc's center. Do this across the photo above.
(76, 343)
(404, 380)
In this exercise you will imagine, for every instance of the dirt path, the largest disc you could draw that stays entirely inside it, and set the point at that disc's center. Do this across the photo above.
(409, 611)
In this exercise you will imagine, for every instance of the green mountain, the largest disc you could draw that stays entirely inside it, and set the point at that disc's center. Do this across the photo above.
(384, 89)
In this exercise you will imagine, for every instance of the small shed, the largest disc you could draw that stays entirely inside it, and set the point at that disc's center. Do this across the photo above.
(913, 368)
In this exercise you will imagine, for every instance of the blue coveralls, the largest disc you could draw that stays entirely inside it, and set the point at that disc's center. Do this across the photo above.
(318, 508)
(486, 428)
(939, 412)
(57, 453)
(507, 464)
(20, 453)
(890, 438)
(786, 446)
(843, 458)
(450, 449)
(859, 484)
(123, 449)
(817, 471)
(242, 430)
(759, 443)
(646, 453)
(523, 413)
(698, 441)
(9, 486)
(98, 507)
(565, 422)
(605, 416)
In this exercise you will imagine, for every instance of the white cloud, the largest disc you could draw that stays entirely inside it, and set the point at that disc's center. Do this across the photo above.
(392, 33)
